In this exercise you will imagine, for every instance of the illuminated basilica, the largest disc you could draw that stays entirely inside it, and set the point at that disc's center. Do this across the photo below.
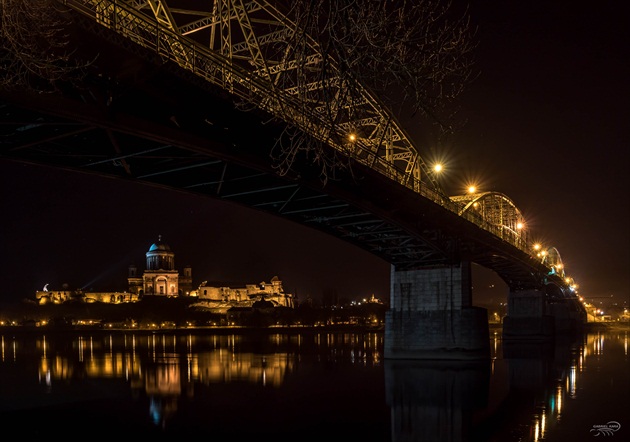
(160, 278)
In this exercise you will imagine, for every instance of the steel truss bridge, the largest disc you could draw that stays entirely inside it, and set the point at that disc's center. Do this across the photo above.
(157, 106)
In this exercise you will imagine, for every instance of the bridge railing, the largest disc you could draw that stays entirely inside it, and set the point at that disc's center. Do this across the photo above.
(124, 19)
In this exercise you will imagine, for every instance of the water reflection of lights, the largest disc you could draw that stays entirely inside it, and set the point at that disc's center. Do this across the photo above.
(80, 349)
(540, 422)
(572, 382)
(558, 402)
(494, 354)
(598, 344)
(163, 367)
(13, 349)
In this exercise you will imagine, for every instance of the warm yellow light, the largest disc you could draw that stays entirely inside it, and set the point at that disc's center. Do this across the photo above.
(438, 167)
(536, 246)
(352, 137)
(472, 189)
(519, 226)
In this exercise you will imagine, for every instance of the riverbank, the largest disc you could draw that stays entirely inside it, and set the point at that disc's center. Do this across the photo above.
(607, 326)
(214, 330)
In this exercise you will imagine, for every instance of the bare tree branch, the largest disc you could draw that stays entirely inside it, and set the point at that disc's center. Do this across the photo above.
(34, 47)
(414, 55)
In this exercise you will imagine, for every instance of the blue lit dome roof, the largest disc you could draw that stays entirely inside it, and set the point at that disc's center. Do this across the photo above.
(159, 246)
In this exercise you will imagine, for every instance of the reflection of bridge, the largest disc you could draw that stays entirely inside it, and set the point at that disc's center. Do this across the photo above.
(164, 114)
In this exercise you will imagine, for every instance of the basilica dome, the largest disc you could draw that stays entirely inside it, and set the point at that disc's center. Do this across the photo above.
(159, 246)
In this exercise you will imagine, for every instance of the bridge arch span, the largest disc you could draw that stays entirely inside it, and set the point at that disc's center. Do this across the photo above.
(553, 261)
(497, 212)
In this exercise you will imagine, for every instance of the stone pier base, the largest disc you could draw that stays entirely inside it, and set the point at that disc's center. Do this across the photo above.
(527, 316)
(444, 335)
(530, 328)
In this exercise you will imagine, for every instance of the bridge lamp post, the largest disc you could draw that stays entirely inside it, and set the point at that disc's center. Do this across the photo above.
(351, 144)
(437, 169)
(521, 234)
(540, 253)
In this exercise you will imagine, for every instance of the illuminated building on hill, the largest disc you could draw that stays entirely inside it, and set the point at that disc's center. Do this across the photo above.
(221, 298)
(160, 278)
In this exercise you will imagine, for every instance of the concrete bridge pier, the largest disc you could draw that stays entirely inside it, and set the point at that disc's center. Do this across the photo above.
(528, 316)
(431, 316)
(534, 315)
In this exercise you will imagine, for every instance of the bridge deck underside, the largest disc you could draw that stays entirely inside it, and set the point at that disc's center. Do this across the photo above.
(50, 140)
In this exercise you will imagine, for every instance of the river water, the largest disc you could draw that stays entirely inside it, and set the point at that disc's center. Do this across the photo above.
(308, 385)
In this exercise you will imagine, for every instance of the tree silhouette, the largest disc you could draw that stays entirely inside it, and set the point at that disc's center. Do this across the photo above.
(34, 46)
(415, 56)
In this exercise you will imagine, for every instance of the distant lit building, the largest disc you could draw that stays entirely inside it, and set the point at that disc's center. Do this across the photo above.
(218, 297)
(62, 296)
(160, 277)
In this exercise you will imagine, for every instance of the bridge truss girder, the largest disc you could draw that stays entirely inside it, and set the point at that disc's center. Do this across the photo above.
(499, 211)
(245, 48)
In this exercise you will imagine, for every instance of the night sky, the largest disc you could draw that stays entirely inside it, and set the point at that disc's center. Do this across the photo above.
(546, 123)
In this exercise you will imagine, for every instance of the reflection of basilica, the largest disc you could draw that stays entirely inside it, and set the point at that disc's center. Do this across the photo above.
(161, 278)
(165, 368)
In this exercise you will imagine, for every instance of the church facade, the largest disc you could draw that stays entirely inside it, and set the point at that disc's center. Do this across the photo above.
(161, 278)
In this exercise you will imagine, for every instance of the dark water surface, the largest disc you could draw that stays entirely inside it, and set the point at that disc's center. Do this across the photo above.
(308, 386)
